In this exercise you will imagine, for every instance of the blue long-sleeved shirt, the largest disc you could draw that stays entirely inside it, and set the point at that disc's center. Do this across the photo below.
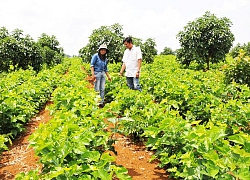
(98, 64)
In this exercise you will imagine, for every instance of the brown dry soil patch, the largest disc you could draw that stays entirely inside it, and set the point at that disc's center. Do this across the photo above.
(19, 157)
(134, 157)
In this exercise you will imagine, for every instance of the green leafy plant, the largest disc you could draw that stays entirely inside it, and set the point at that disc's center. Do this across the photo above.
(23, 94)
(205, 40)
(196, 125)
(239, 70)
(75, 143)
(191, 119)
(167, 51)
(19, 51)
(113, 37)
(235, 51)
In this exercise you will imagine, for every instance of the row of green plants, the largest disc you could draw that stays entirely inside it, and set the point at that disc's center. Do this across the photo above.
(239, 69)
(9, 81)
(197, 124)
(75, 143)
(23, 94)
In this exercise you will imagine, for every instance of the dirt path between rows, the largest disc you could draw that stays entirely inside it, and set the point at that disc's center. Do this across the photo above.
(20, 158)
(132, 156)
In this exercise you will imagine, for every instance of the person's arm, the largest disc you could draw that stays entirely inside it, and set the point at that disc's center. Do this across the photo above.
(139, 56)
(122, 69)
(92, 64)
(139, 65)
(93, 73)
(139, 68)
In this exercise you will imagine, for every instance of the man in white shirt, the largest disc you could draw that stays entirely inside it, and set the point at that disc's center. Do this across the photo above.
(132, 59)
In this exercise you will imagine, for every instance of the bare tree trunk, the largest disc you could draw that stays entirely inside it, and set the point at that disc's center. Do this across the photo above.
(208, 59)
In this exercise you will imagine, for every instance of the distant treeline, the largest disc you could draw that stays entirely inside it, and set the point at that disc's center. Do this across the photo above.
(21, 51)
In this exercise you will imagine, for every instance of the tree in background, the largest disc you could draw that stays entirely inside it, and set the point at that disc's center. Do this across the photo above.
(239, 69)
(167, 51)
(205, 40)
(21, 51)
(113, 37)
(27, 53)
(247, 48)
(51, 53)
(148, 50)
(16, 50)
(235, 51)
(5, 41)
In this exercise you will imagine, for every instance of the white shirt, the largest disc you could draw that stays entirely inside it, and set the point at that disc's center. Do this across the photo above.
(130, 58)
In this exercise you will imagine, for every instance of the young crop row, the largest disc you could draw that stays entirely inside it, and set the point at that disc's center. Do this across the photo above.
(75, 143)
(197, 124)
(10, 81)
(23, 94)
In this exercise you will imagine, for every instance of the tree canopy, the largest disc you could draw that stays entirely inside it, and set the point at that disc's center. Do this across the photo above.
(235, 51)
(167, 51)
(205, 40)
(113, 37)
(21, 51)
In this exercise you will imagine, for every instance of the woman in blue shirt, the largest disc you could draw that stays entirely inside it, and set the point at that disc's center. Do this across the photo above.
(99, 69)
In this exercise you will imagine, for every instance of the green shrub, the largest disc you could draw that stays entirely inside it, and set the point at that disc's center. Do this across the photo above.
(239, 70)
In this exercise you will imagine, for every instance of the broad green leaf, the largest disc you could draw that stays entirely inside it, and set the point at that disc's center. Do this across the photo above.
(211, 169)
(211, 155)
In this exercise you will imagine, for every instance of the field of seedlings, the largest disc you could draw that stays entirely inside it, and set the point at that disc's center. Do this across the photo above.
(196, 125)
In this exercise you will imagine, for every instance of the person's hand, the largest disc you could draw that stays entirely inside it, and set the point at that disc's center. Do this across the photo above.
(93, 78)
(120, 73)
(109, 78)
(137, 75)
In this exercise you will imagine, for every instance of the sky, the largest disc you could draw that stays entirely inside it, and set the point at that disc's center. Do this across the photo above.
(72, 22)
